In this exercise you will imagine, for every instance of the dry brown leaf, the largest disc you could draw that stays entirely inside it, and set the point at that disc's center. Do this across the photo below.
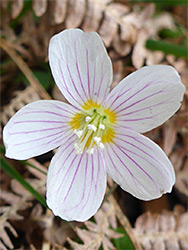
(114, 21)
(107, 17)
(39, 7)
(21, 99)
(4, 235)
(168, 230)
(181, 66)
(10, 50)
(182, 179)
(59, 9)
(150, 29)
(55, 232)
(17, 6)
(4, 3)
(121, 47)
(34, 171)
(17, 203)
(10, 213)
(109, 27)
(94, 15)
(111, 217)
(98, 233)
(75, 13)
(124, 222)
(169, 135)
(10, 198)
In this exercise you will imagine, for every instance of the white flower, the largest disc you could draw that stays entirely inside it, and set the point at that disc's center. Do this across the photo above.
(99, 132)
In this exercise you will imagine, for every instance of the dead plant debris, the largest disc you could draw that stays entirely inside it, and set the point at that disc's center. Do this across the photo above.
(124, 27)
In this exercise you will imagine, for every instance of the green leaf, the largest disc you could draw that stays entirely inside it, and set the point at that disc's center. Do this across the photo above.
(167, 48)
(43, 77)
(12, 172)
(2, 150)
(123, 243)
(170, 33)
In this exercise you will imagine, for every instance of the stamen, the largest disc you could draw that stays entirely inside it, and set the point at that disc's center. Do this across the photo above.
(97, 139)
(90, 151)
(78, 149)
(101, 145)
(101, 126)
(93, 130)
(91, 126)
(78, 132)
(88, 119)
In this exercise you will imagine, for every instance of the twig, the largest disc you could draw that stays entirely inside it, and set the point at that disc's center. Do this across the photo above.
(9, 48)
(125, 223)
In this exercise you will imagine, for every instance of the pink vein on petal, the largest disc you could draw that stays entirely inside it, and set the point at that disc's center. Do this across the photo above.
(98, 171)
(143, 99)
(70, 165)
(94, 81)
(45, 112)
(83, 194)
(73, 83)
(127, 90)
(91, 183)
(37, 139)
(70, 142)
(88, 80)
(117, 168)
(78, 71)
(130, 97)
(138, 110)
(138, 167)
(57, 139)
(150, 156)
(101, 81)
(38, 121)
(35, 131)
(65, 85)
(133, 177)
(75, 173)
(69, 108)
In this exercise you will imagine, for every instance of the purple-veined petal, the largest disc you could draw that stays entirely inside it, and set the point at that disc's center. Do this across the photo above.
(147, 98)
(76, 183)
(139, 165)
(37, 128)
(80, 66)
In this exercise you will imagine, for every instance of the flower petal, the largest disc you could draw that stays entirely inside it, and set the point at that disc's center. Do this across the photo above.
(37, 128)
(139, 165)
(76, 183)
(80, 66)
(147, 98)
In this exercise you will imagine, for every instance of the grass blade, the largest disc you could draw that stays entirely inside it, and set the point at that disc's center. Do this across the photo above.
(167, 48)
(11, 171)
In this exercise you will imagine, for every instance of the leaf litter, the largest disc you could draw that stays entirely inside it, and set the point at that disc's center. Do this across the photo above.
(124, 28)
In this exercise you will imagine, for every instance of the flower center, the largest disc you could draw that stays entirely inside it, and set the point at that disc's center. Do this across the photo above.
(93, 127)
